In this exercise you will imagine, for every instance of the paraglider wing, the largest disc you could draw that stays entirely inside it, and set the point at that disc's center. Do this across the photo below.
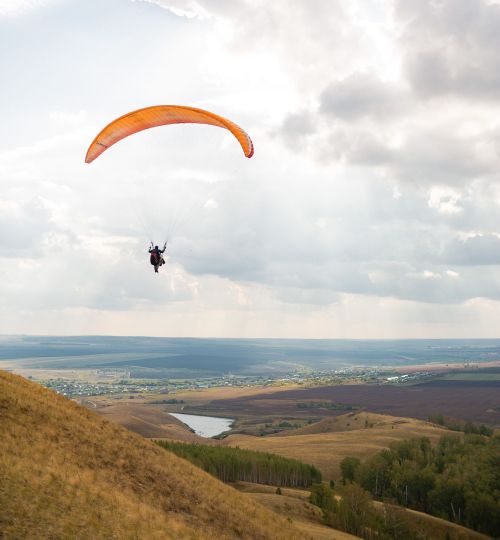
(161, 115)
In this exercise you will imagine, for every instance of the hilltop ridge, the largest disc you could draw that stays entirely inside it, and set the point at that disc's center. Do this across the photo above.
(68, 473)
(354, 421)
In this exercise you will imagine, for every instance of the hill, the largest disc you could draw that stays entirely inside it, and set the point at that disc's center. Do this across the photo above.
(294, 503)
(67, 473)
(327, 442)
(355, 421)
(149, 421)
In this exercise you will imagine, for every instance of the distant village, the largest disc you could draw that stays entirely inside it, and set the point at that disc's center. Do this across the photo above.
(128, 385)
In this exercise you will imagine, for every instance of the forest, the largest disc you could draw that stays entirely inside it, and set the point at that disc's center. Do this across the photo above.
(235, 464)
(458, 480)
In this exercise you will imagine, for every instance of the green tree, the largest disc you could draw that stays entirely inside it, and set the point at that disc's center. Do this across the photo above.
(348, 468)
(322, 496)
(483, 513)
(395, 525)
(355, 512)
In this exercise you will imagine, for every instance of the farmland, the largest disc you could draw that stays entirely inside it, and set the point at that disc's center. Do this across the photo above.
(475, 401)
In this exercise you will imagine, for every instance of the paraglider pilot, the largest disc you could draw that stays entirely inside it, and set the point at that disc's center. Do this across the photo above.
(156, 256)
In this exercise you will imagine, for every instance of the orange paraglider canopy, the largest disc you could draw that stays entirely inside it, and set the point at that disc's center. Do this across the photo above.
(162, 115)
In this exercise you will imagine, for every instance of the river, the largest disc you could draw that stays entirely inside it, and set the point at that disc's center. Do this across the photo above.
(205, 426)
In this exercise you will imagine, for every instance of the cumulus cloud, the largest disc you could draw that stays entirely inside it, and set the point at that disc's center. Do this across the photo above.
(361, 95)
(296, 127)
(26, 228)
(442, 50)
(476, 250)
(450, 47)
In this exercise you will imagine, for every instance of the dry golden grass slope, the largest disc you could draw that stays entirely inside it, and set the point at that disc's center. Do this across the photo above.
(294, 503)
(327, 442)
(427, 526)
(66, 473)
(150, 421)
(354, 421)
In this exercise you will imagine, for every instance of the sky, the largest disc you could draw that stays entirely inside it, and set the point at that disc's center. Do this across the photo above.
(369, 210)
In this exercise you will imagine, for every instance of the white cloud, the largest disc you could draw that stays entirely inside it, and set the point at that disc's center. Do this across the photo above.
(14, 8)
(444, 200)
(182, 8)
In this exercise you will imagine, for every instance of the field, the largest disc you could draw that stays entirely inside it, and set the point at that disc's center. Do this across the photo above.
(476, 401)
(323, 443)
(471, 376)
(326, 443)
(324, 436)
(144, 415)
(146, 357)
(466, 366)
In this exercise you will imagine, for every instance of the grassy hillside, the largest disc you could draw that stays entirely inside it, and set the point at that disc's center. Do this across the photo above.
(427, 526)
(327, 442)
(67, 473)
(149, 421)
(354, 421)
(294, 503)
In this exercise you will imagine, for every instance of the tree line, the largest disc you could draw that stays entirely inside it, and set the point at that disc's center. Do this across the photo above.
(458, 480)
(460, 425)
(235, 464)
